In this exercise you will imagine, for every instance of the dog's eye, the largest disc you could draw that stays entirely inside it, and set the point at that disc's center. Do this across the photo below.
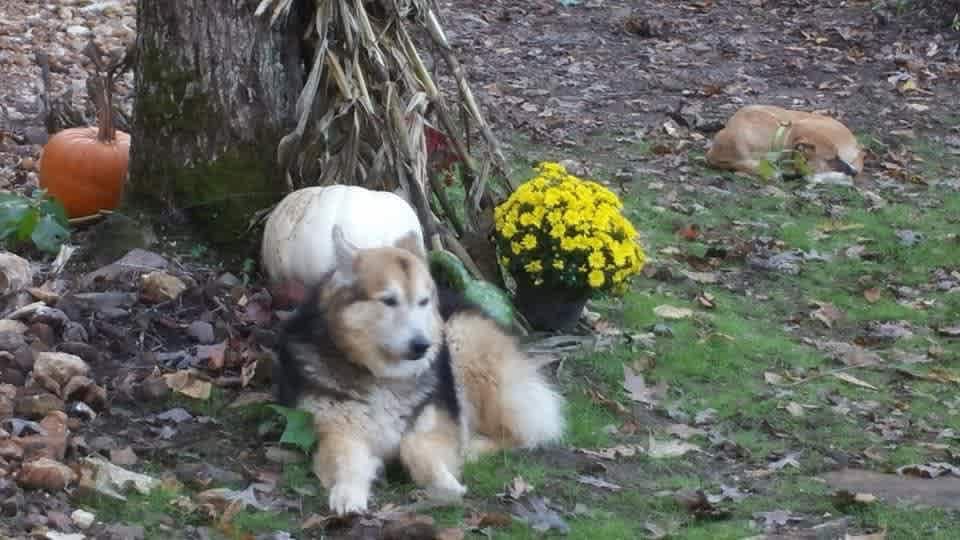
(389, 301)
(423, 302)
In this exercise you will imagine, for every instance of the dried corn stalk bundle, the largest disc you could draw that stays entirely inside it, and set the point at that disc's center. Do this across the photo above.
(363, 113)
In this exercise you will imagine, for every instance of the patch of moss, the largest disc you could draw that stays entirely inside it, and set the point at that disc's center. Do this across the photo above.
(219, 195)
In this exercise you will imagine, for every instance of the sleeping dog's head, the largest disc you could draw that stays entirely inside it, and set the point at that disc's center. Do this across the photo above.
(381, 307)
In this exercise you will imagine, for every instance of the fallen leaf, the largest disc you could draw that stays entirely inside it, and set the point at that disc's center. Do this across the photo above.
(518, 487)
(213, 355)
(539, 516)
(795, 409)
(929, 470)
(701, 277)
(100, 476)
(949, 331)
(776, 518)
(696, 502)
(707, 300)
(638, 391)
(223, 497)
(600, 399)
(669, 448)
(251, 398)
(483, 520)
(849, 354)
(598, 482)
(188, 383)
(773, 378)
(842, 497)
(788, 460)
(872, 295)
(299, 427)
(826, 313)
(612, 453)
(846, 377)
(943, 375)
(247, 373)
(672, 312)
(705, 416)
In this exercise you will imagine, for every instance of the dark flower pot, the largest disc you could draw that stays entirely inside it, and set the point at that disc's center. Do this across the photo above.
(550, 308)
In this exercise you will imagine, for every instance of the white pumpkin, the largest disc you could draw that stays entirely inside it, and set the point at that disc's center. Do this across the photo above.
(298, 237)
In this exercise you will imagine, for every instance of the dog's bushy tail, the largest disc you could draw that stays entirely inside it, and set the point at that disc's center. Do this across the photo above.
(509, 400)
(532, 410)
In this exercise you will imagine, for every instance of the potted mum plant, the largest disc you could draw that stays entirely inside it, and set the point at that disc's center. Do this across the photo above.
(563, 239)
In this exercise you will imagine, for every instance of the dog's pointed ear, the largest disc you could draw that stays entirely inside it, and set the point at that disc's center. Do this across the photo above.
(413, 243)
(344, 253)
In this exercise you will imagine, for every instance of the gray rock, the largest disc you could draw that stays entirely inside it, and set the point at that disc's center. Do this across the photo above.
(201, 331)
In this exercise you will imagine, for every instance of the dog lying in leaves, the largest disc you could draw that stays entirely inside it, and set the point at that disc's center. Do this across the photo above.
(827, 146)
(391, 368)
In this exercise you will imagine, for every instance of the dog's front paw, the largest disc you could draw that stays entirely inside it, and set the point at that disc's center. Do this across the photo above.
(348, 499)
(446, 488)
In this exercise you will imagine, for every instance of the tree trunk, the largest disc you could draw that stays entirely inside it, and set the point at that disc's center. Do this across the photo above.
(216, 89)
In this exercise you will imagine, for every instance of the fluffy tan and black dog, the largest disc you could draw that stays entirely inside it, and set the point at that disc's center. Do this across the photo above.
(390, 368)
(828, 146)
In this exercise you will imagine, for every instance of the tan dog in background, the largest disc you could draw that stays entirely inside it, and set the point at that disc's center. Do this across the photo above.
(829, 147)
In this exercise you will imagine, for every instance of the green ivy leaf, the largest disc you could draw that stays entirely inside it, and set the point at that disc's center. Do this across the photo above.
(299, 428)
(766, 170)
(52, 207)
(27, 223)
(49, 234)
(13, 210)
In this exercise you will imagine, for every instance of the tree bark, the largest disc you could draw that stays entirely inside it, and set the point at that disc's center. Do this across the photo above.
(216, 89)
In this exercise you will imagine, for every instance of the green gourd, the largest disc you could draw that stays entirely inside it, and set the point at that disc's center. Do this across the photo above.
(447, 268)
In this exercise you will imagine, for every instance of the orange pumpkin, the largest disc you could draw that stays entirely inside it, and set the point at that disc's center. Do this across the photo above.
(84, 170)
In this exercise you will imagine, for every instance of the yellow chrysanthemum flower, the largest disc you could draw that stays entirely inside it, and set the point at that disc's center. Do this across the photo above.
(573, 220)
(596, 260)
(529, 241)
(596, 279)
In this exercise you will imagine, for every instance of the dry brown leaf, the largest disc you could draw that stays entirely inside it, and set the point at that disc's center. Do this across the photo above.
(943, 375)
(598, 482)
(701, 277)
(214, 354)
(795, 409)
(518, 487)
(638, 391)
(773, 378)
(488, 519)
(188, 383)
(611, 404)
(669, 448)
(846, 377)
(671, 312)
(826, 313)
(872, 295)
(612, 452)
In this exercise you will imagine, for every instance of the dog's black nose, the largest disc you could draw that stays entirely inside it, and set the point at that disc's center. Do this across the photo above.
(418, 347)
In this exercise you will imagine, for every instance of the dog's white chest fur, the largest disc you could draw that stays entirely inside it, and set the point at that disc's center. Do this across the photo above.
(381, 415)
